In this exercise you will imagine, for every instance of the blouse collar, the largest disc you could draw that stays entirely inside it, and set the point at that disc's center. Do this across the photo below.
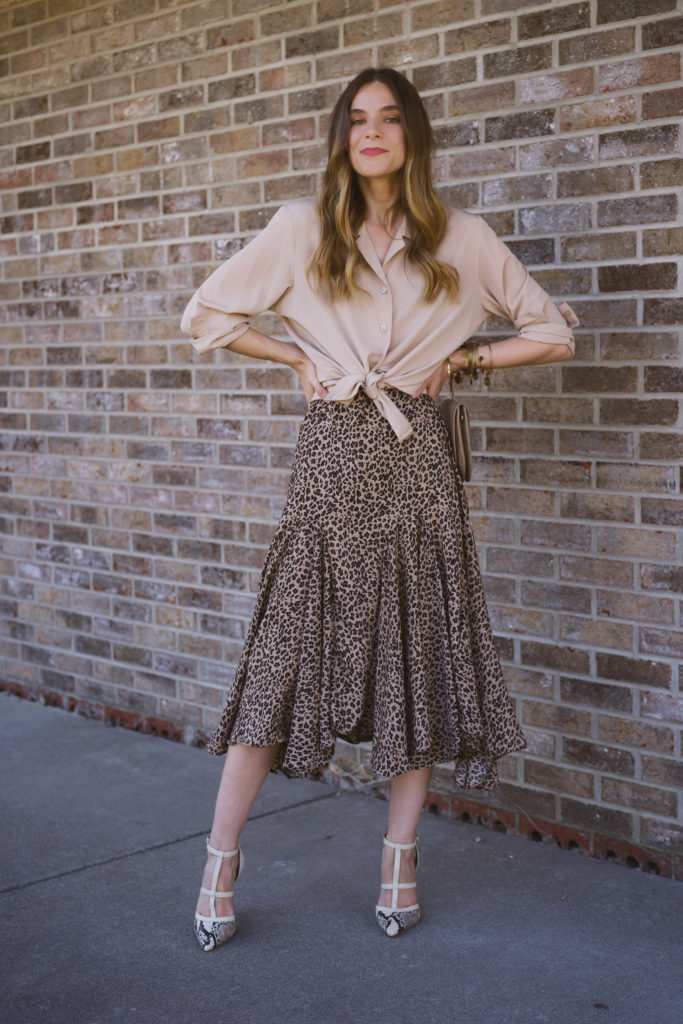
(370, 253)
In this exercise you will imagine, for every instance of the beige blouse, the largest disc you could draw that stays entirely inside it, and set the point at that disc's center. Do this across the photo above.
(388, 337)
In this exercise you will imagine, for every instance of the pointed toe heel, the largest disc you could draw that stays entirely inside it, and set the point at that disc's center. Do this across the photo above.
(210, 930)
(395, 920)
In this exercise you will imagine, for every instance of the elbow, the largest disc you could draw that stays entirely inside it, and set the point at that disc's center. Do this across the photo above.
(555, 352)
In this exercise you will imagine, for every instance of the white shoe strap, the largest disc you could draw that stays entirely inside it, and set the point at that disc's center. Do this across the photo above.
(395, 885)
(220, 856)
(221, 853)
(401, 846)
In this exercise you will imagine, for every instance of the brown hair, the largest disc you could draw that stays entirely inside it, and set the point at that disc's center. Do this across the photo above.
(337, 260)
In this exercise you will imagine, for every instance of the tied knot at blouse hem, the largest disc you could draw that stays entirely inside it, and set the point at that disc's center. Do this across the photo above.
(373, 383)
(388, 336)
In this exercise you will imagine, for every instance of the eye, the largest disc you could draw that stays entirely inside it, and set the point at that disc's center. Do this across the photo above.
(356, 120)
(393, 119)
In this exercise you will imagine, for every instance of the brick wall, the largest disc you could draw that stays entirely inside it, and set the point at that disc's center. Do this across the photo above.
(145, 140)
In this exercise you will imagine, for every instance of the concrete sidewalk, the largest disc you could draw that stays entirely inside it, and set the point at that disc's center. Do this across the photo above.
(102, 850)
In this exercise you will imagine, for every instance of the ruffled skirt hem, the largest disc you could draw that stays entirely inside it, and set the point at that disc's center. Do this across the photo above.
(371, 622)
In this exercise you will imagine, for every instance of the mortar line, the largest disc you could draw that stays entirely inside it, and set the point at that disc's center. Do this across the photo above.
(156, 846)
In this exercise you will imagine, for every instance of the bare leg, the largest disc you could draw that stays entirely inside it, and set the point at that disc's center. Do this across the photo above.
(244, 773)
(407, 797)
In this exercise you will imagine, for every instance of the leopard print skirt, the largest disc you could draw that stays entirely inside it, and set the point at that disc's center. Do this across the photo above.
(371, 621)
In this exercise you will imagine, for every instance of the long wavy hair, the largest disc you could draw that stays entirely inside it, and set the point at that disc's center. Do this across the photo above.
(336, 262)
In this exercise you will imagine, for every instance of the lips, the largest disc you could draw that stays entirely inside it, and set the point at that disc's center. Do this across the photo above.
(373, 151)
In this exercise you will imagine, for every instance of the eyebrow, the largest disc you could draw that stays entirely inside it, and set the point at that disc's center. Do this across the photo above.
(358, 110)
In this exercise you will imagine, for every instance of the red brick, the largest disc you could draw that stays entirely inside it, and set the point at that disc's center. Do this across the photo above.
(654, 140)
(629, 731)
(636, 607)
(555, 218)
(662, 642)
(504, 191)
(663, 771)
(614, 507)
(431, 15)
(596, 181)
(662, 103)
(579, 49)
(306, 43)
(586, 568)
(289, 131)
(256, 55)
(642, 543)
(558, 474)
(663, 32)
(368, 30)
(633, 670)
(657, 479)
(525, 501)
(518, 60)
(662, 832)
(480, 98)
(609, 379)
(561, 779)
(637, 210)
(556, 657)
(635, 346)
(556, 596)
(625, 10)
(556, 152)
(596, 817)
(658, 705)
(628, 74)
(664, 446)
(597, 113)
(608, 759)
(663, 311)
(638, 412)
(531, 801)
(520, 126)
(484, 35)
(663, 379)
(274, 79)
(640, 797)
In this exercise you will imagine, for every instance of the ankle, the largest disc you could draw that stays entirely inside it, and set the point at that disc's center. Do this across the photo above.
(224, 842)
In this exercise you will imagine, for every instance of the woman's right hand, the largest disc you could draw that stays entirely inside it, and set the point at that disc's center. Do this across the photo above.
(308, 376)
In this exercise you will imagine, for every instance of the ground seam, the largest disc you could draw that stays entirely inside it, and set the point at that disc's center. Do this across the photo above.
(155, 846)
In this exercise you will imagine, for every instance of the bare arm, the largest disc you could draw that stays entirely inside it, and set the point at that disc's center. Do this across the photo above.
(260, 346)
(501, 354)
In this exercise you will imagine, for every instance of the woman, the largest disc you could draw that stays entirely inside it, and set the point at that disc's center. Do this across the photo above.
(370, 622)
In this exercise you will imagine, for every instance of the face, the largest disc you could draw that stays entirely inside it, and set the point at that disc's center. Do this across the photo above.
(376, 140)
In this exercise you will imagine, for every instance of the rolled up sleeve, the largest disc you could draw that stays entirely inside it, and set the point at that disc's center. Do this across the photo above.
(508, 290)
(248, 283)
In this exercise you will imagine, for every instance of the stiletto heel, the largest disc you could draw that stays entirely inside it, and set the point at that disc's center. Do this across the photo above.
(395, 920)
(213, 931)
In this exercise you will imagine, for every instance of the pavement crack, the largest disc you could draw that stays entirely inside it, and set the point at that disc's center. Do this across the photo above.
(155, 846)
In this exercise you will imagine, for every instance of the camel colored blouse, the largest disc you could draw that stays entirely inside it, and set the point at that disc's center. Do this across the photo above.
(388, 337)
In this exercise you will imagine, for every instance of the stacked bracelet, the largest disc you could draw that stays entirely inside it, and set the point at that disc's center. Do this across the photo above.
(472, 367)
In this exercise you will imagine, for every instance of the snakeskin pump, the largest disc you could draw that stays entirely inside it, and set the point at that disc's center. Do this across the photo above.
(395, 920)
(213, 931)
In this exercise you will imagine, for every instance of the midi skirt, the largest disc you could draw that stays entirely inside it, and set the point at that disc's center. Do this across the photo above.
(371, 622)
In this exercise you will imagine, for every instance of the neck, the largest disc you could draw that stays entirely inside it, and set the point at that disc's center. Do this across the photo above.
(380, 194)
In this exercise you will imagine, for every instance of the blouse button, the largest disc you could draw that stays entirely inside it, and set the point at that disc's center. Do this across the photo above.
(383, 328)
(384, 290)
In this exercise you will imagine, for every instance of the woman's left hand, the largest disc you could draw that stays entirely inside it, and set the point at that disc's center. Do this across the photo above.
(434, 383)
